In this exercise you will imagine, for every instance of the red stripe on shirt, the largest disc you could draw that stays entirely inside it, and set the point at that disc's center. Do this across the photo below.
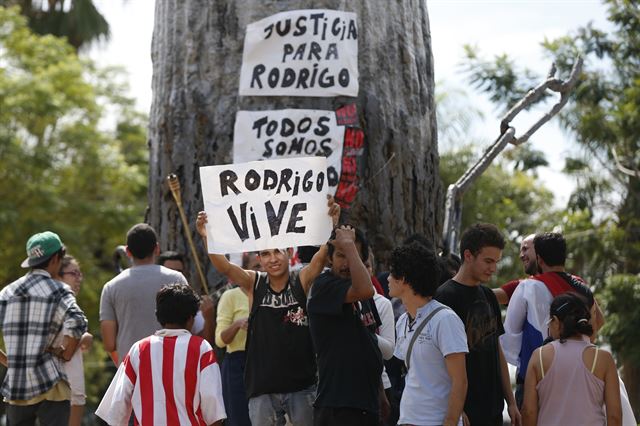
(168, 351)
(207, 359)
(191, 376)
(146, 382)
(128, 369)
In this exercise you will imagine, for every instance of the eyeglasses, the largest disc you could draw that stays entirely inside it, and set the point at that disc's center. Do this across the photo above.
(76, 274)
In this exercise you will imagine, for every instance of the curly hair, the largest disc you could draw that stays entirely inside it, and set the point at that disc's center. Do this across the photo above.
(418, 266)
(175, 304)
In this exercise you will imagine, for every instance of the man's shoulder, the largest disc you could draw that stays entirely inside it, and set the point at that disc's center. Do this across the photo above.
(447, 290)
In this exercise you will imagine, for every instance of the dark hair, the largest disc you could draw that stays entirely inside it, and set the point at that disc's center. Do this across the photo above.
(551, 247)
(45, 264)
(449, 265)
(175, 304)
(572, 311)
(418, 266)
(66, 261)
(306, 253)
(169, 255)
(141, 240)
(481, 235)
(418, 238)
(360, 238)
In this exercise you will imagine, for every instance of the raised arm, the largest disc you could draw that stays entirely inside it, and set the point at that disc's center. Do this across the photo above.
(311, 271)
(361, 287)
(234, 273)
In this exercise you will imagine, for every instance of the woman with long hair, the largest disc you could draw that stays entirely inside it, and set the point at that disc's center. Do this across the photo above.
(569, 380)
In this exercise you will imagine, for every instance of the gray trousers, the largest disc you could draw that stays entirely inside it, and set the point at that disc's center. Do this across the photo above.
(49, 413)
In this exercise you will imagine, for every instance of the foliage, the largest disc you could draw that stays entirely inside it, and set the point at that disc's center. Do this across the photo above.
(513, 200)
(603, 117)
(622, 297)
(508, 194)
(77, 20)
(602, 220)
(64, 165)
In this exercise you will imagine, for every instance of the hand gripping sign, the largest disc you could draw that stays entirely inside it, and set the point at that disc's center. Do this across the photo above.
(266, 204)
(301, 53)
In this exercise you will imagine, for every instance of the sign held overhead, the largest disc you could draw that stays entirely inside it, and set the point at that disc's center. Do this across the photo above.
(266, 204)
(301, 53)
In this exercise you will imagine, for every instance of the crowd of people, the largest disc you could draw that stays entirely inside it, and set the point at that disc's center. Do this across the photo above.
(326, 342)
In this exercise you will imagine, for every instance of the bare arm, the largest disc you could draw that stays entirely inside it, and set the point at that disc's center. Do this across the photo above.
(69, 346)
(310, 272)
(361, 287)
(612, 400)
(243, 278)
(3, 359)
(209, 331)
(501, 295)
(229, 333)
(514, 413)
(109, 330)
(458, 373)
(530, 404)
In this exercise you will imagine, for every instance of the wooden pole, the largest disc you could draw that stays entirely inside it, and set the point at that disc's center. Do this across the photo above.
(174, 186)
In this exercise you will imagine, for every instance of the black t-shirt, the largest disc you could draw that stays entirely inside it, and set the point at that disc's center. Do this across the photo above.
(349, 361)
(479, 310)
(280, 356)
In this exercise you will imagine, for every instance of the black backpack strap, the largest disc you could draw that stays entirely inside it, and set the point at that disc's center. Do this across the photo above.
(376, 314)
(421, 327)
(297, 291)
(259, 291)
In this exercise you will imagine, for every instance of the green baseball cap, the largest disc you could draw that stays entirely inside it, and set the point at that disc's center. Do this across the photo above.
(41, 247)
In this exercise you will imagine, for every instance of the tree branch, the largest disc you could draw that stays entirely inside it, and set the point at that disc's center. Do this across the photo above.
(622, 168)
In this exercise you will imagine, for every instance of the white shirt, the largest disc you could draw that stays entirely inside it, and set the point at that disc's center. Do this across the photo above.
(168, 378)
(386, 333)
(427, 383)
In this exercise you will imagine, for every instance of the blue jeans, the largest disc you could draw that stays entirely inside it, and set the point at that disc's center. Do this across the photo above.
(269, 409)
(235, 398)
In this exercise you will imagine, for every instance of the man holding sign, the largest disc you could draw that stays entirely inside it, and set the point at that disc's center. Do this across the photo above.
(344, 320)
(280, 372)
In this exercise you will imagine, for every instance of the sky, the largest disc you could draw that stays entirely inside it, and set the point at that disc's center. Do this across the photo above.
(515, 27)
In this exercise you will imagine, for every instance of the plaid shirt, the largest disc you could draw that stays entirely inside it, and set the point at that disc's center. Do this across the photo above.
(33, 310)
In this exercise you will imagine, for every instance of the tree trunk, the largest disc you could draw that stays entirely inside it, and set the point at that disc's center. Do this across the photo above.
(197, 53)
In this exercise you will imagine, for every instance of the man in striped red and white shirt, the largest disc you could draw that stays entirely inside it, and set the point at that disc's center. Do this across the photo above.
(171, 377)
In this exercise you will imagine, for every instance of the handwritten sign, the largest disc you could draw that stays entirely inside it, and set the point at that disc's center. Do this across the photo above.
(301, 53)
(266, 204)
(264, 135)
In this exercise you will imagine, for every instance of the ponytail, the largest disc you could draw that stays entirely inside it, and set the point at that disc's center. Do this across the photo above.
(572, 311)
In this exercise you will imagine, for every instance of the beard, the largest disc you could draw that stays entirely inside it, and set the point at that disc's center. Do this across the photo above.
(531, 268)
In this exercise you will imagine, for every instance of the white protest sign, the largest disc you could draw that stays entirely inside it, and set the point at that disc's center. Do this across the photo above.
(266, 204)
(301, 53)
(264, 135)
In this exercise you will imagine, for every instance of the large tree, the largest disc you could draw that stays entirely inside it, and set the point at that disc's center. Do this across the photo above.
(197, 54)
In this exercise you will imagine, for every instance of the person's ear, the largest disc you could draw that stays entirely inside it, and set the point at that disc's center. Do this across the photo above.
(467, 255)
